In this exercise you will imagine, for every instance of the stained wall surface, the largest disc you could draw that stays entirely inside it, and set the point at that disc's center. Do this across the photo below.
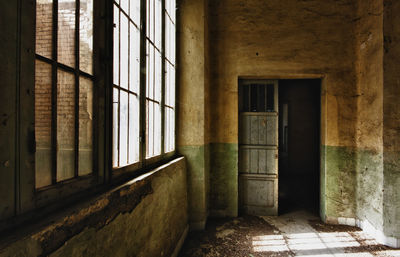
(369, 150)
(193, 105)
(144, 217)
(285, 39)
(391, 120)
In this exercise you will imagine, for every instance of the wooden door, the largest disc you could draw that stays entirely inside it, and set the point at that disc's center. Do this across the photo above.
(258, 147)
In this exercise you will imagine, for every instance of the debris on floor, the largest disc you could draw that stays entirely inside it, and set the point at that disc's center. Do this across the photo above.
(294, 234)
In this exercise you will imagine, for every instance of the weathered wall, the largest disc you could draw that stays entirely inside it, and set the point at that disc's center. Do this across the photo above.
(144, 217)
(193, 81)
(285, 39)
(391, 120)
(9, 87)
(369, 151)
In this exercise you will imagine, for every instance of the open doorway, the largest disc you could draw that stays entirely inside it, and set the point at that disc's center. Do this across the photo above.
(299, 145)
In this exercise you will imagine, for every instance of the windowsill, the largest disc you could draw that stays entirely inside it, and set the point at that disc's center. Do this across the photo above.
(52, 230)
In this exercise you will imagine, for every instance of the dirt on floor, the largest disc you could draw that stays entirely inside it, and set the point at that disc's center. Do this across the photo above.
(233, 237)
(229, 237)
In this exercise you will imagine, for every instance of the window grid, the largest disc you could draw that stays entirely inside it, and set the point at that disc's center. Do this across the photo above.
(169, 69)
(62, 16)
(126, 85)
(157, 114)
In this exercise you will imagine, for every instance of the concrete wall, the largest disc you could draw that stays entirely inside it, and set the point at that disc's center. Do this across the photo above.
(193, 105)
(369, 150)
(144, 217)
(391, 120)
(285, 39)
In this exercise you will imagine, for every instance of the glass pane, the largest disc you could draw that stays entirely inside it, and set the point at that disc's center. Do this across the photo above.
(124, 54)
(170, 85)
(125, 5)
(135, 11)
(170, 8)
(157, 78)
(44, 27)
(115, 126)
(150, 20)
(123, 129)
(157, 129)
(43, 123)
(85, 126)
(149, 129)
(270, 98)
(253, 97)
(261, 98)
(169, 129)
(134, 111)
(65, 125)
(134, 59)
(66, 32)
(157, 24)
(150, 71)
(166, 129)
(170, 40)
(116, 46)
(86, 36)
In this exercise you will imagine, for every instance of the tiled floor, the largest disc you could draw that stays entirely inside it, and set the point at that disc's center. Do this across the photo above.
(293, 234)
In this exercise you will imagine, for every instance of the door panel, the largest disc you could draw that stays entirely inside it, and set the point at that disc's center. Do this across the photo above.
(258, 148)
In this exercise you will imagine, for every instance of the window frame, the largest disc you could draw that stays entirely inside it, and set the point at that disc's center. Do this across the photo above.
(26, 202)
(147, 163)
(29, 197)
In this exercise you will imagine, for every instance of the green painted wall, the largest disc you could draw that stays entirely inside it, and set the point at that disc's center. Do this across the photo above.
(338, 182)
(197, 181)
(224, 179)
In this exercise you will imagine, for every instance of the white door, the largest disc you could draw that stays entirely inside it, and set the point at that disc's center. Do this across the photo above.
(258, 147)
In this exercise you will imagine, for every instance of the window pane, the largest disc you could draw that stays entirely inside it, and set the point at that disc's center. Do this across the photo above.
(134, 59)
(66, 32)
(123, 129)
(157, 24)
(150, 20)
(124, 54)
(135, 11)
(125, 5)
(170, 8)
(169, 129)
(170, 40)
(86, 36)
(116, 46)
(115, 127)
(85, 126)
(149, 129)
(44, 28)
(43, 112)
(157, 129)
(157, 78)
(150, 71)
(169, 85)
(134, 112)
(65, 125)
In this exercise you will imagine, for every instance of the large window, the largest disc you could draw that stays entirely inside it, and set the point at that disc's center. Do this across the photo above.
(63, 90)
(126, 83)
(143, 81)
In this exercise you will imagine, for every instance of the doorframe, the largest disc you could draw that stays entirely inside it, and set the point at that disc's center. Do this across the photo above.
(323, 126)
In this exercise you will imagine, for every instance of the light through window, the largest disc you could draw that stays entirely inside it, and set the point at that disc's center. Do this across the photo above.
(143, 81)
(63, 90)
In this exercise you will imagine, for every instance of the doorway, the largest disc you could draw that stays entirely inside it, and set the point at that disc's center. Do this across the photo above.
(299, 145)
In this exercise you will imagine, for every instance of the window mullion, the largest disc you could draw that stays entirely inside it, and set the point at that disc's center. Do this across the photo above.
(143, 72)
(162, 76)
(77, 51)
(54, 95)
